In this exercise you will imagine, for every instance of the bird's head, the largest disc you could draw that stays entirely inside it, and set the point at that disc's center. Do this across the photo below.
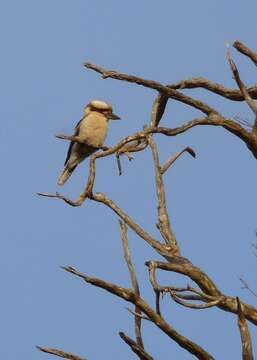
(101, 107)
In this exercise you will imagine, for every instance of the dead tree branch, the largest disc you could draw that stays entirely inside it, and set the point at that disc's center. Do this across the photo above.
(142, 354)
(163, 217)
(196, 296)
(200, 82)
(133, 277)
(247, 287)
(60, 353)
(130, 296)
(250, 102)
(247, 351)
(158, 109)
(165, 90)
(143, 317)
(168, 163)
(246, 51)
(236, 129)
(178, 300)
(183, 266)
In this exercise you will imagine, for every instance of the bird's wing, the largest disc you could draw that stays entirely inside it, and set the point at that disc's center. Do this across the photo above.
(72, 142)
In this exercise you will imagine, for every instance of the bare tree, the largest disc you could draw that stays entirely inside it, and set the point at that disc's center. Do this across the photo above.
(205, 293)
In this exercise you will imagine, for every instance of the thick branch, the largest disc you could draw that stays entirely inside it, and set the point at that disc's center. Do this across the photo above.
(129, 295)
(247, 351)
(142, 354)
(165, 90)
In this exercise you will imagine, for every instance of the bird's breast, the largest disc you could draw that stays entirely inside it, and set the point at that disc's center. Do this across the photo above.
(94, 130)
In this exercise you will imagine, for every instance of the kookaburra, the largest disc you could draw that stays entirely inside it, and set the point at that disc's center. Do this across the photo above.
(92, 131)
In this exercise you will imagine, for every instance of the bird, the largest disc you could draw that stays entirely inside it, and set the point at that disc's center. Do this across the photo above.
(91, 130)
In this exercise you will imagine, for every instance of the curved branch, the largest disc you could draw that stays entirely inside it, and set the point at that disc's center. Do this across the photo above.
(183, 266)
(246, 51)
(200, 82)
(249, 138)
(178, 300)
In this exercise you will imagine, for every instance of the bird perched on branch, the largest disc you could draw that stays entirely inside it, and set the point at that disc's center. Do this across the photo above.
(91, 132)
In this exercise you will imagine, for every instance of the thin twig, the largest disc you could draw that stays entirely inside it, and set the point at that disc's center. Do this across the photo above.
(59, 353)
(250, 102)
(246, 286)
(138, 314)
(64, 198)
(163, 217)
(142, 354)
(200, 82)
(247, 351)
(178, 300)
(119, 164)
(246, 51)
(157, 289)
(173, 158)
(133, 277)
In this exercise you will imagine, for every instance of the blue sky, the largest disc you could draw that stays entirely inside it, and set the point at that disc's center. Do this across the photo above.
(212, 199)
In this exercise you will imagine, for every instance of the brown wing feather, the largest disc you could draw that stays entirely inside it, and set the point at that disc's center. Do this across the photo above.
(72, 142)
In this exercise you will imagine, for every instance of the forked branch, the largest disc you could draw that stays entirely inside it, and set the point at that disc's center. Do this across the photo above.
(249, 100)
(129, 295)
(163, 217)
(185, 267)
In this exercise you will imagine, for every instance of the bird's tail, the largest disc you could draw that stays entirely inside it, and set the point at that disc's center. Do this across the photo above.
(65, 175)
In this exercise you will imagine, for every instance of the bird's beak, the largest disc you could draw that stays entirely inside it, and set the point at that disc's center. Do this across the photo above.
(112, 116)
